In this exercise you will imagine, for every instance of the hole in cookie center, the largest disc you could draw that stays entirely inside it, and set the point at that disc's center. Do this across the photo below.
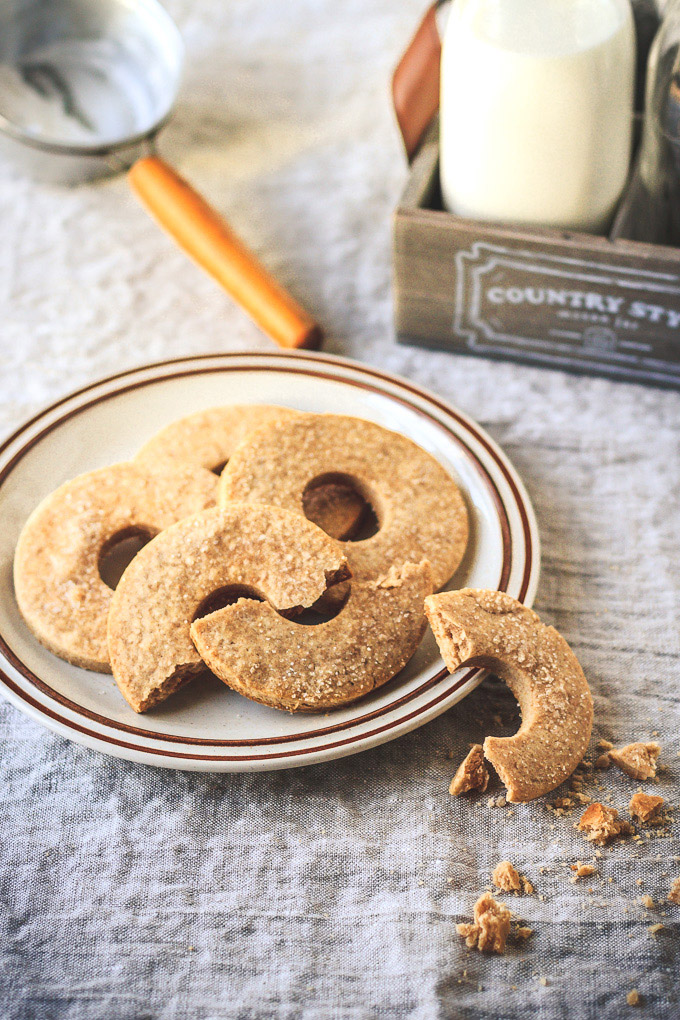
(219, 468)
(226, 596)
(119, 552)
(337, 504)
(324, 609)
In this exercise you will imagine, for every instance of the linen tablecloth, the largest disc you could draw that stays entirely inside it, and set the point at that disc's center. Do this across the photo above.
(331, 891)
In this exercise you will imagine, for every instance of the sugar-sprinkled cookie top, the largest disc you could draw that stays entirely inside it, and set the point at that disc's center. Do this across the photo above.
(273, 553)
(421, 512)
(60, 592)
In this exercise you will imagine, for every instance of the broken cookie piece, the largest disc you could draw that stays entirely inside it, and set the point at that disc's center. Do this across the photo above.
(602, 824)
(491, 926)
(495, 631)
(637, 760)
(506, 878)
(644, 806)
(472, 773)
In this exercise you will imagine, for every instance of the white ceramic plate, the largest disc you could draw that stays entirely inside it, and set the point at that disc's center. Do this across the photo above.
(205, 726)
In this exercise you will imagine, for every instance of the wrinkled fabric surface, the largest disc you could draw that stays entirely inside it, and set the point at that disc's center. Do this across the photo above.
(332, 891)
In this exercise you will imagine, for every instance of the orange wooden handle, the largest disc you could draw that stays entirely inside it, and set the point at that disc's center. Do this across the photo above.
(207, 238)
(415, 84)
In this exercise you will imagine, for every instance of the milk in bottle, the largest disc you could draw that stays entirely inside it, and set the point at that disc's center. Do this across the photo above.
(536, 110)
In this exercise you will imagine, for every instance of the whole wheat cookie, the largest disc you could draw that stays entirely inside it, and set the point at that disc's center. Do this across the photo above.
(268, 552)
(306, 669)
(60, 592)
(207, 439)
(420, 510)
(494, 631)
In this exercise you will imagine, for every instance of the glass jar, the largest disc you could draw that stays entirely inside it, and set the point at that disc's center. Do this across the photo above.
(536, 110)
(651, 211)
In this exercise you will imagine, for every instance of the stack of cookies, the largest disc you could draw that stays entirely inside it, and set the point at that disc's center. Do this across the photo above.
(253, 515)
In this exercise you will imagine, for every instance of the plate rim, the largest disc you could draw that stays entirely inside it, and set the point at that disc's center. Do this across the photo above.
(298, 363)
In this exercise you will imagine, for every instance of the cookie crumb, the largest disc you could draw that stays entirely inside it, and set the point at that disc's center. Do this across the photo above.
(647, 901)
(604, 745)
(603, 761)
(602, 824)
(523, 932)
(633, 997)
(506, 878)
(472, 773)
(637, 760)
(582, 870)
(491, 926)
(644, 806)
(654, 929)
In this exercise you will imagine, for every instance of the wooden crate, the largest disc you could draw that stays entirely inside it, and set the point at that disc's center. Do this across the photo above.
(553, 298)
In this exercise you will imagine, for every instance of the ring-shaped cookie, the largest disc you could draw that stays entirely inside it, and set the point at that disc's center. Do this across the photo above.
(208, 439)
(420, 510)
(270, 552)
(494, 631)
(308, 669)
(60, 592)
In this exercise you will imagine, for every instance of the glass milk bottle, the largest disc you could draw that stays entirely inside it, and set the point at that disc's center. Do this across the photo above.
(536, 110)
(654, 212)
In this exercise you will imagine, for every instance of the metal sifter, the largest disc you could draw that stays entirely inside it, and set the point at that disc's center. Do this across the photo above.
(85, 87)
